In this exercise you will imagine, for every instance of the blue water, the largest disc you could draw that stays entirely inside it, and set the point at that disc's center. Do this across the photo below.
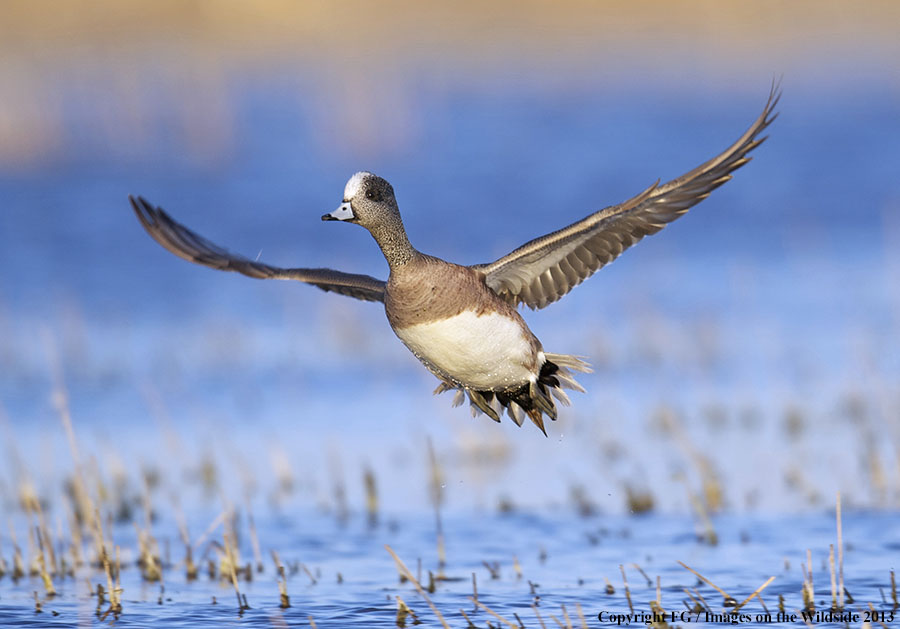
(563, 561)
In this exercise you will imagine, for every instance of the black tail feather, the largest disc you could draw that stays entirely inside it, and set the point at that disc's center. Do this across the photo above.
(535, 399)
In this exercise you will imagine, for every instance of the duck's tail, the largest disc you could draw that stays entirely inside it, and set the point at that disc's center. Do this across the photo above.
(533, 399)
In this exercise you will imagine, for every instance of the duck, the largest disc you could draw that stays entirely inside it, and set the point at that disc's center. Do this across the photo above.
(463, 322)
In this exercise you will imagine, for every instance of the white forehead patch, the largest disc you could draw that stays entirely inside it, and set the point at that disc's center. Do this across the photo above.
(354, 184)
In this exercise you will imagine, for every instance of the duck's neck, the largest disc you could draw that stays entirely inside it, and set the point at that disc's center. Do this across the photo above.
(394, 244)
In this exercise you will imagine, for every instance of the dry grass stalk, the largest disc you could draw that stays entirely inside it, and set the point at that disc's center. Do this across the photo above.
(338, 486)
(116, 594)
(83, 502)
(756, 593)
(834, 604)
(581, 617)
(469, 623)
(709, 534)
(875, 615)
(559, 623)
(18, 564)
(75, 539)
(371, 496)
(312, 578)
(45, 539)
(894, 590)
(404, 571)
(493, 569)
(702, 600)
(436, 494)
(698, 606)
(84, 506)
(493, 613)
(282, 584)
(656, 606)
(583, 503)
(216, 521)
(254, 541)
(190, 568)
(627, 591)
(113, 589)
(643, 574)
(658, 612)
(713, 495)
(229, 561)
(810, 571)
(840, 551)
(101, 596)
(728, 598)
(809, 601)
(34, 567)
(148, 558)
(61, 568)
(115, 606)
(638, 500)
(537, 613)
(565, 613)
(45, 576)
(403, 612)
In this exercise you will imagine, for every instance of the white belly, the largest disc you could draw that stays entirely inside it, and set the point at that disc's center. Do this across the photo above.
(481, 352)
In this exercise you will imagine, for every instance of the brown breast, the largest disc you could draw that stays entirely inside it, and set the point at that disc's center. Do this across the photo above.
(430, 289)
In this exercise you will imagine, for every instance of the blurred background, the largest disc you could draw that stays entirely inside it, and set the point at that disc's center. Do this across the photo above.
(748, 356)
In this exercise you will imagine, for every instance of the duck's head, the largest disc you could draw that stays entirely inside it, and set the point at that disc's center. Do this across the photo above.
(368, 201)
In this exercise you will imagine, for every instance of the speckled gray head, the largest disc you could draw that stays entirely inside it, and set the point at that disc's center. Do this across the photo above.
(367, 198)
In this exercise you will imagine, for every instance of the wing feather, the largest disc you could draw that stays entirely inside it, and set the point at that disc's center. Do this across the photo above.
(189, 245)
(546, 268)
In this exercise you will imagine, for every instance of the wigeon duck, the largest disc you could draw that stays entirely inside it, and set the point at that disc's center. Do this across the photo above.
(461, 322)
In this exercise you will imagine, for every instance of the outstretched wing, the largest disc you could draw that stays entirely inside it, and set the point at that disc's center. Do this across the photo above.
(543, 270)
(186, 244)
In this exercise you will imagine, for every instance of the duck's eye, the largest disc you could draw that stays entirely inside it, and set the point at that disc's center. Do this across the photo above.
(370, 194)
